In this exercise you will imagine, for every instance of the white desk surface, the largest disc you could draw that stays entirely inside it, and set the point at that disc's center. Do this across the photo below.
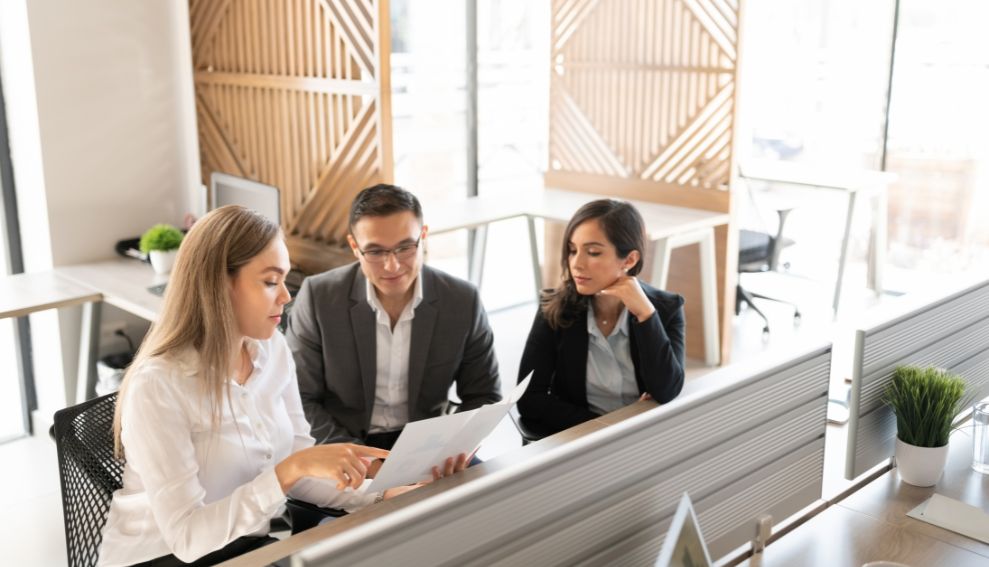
(558, 205)
(850, 180)
(22, 294)
(872, 525)
(123, 282)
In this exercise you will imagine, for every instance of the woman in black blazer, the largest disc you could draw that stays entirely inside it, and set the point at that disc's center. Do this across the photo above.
(602, 338)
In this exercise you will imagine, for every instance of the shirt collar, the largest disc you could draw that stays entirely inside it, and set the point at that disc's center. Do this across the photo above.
(592, 326)
(259, 351)
(372, 298)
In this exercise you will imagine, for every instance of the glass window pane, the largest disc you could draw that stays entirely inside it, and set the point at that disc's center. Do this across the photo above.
(937, 141)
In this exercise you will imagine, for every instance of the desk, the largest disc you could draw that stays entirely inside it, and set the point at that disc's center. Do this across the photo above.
(851, 183)
(667, 227)
(871, 524)
(121, 282)
(23, 294)
(295, 543)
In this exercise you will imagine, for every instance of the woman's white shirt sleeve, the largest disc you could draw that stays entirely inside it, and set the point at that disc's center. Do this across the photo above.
(191, 488)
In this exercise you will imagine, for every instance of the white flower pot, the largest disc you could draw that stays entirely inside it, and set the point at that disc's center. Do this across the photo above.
(162, 261)
(920, 466)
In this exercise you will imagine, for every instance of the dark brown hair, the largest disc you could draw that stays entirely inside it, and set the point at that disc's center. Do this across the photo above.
(383, 200)
(623, 226)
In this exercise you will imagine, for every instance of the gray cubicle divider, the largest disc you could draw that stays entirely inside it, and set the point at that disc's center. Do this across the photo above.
(751, 445)
(950, 332)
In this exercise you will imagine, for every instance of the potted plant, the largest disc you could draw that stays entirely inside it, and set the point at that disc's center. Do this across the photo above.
(925, 402)
(161, 243)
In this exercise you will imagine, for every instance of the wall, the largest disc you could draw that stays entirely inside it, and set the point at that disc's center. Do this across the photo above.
(102, 119)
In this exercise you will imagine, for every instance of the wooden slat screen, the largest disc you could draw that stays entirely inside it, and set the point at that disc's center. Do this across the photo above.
(295, 94)
(644, 90)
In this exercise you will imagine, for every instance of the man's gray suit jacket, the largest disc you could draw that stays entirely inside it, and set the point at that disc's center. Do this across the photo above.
(332, 335)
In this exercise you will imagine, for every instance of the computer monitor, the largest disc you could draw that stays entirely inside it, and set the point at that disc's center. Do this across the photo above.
(226, 189)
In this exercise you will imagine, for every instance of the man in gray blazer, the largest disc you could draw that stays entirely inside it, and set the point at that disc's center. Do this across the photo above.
(378, 343)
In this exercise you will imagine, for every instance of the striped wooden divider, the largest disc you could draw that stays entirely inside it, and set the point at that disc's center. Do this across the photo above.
(296, 94)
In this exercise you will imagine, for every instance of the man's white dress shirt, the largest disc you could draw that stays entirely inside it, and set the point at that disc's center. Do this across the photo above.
(391, 386)
(189, 488)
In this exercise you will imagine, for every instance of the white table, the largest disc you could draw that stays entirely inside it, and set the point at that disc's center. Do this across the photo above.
(668, 227)
(23, 294)
(851, 182)
(123, 283)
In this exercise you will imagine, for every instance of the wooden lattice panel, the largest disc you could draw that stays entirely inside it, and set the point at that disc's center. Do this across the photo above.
(644, 90)
(294, 93)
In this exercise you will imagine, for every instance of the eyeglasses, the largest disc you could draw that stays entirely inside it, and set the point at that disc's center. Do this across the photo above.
(380, 255)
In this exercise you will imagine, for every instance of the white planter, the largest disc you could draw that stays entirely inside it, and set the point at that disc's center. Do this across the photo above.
(162, 261)
(920, 466)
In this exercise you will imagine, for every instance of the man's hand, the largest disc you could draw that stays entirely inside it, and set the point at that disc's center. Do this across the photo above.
(452, 466)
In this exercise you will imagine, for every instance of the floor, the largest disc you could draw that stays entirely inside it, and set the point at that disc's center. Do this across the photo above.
(31, 531)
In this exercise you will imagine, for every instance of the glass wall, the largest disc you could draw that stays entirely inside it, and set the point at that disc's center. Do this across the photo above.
(814, 84)
(813, 89)
(429, 105)
(937, 146)
(11, 397)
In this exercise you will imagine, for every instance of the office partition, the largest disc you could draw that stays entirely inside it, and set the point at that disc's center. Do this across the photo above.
(750, 444)
(950, 331)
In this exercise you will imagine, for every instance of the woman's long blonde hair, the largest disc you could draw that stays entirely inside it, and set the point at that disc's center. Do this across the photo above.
(197, 311)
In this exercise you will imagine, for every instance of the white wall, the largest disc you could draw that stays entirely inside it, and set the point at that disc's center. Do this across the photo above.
(102, 124)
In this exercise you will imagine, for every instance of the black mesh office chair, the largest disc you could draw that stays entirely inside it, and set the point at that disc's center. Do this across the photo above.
(760, 252)
(89, 474)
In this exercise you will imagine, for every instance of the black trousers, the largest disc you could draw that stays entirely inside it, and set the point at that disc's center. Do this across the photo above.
(237, 547)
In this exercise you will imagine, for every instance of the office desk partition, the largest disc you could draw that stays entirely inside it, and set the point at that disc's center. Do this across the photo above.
(667, 227)
(949, 331)
(852, 183)
(746, 445)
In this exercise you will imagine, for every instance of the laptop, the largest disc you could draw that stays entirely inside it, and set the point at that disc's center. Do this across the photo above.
(684, 545)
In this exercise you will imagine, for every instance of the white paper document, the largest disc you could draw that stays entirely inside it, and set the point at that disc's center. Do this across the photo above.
(427, 443)
(953, 515)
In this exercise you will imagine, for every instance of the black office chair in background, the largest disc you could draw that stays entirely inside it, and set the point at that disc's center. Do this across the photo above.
(760, 252)
(89, 474)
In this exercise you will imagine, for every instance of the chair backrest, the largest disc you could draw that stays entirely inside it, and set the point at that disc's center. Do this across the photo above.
(89, 474)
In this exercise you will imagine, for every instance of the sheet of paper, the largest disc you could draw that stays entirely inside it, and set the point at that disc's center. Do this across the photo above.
(953, 515)
(415, 452)
(427, 443)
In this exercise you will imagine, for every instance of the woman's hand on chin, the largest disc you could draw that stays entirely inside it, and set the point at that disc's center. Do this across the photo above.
(627, 289)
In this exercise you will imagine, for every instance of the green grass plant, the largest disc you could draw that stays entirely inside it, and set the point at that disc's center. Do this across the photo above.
(162, 237)
(925, 401)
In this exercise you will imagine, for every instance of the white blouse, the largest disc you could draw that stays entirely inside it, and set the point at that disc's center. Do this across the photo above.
(189, 488)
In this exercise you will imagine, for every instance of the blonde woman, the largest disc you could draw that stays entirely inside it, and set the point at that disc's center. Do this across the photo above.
(209, 417)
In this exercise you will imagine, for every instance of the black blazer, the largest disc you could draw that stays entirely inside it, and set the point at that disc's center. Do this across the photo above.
(557, 395)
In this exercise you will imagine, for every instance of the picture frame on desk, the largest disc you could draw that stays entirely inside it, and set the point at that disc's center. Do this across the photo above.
(684, 544)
